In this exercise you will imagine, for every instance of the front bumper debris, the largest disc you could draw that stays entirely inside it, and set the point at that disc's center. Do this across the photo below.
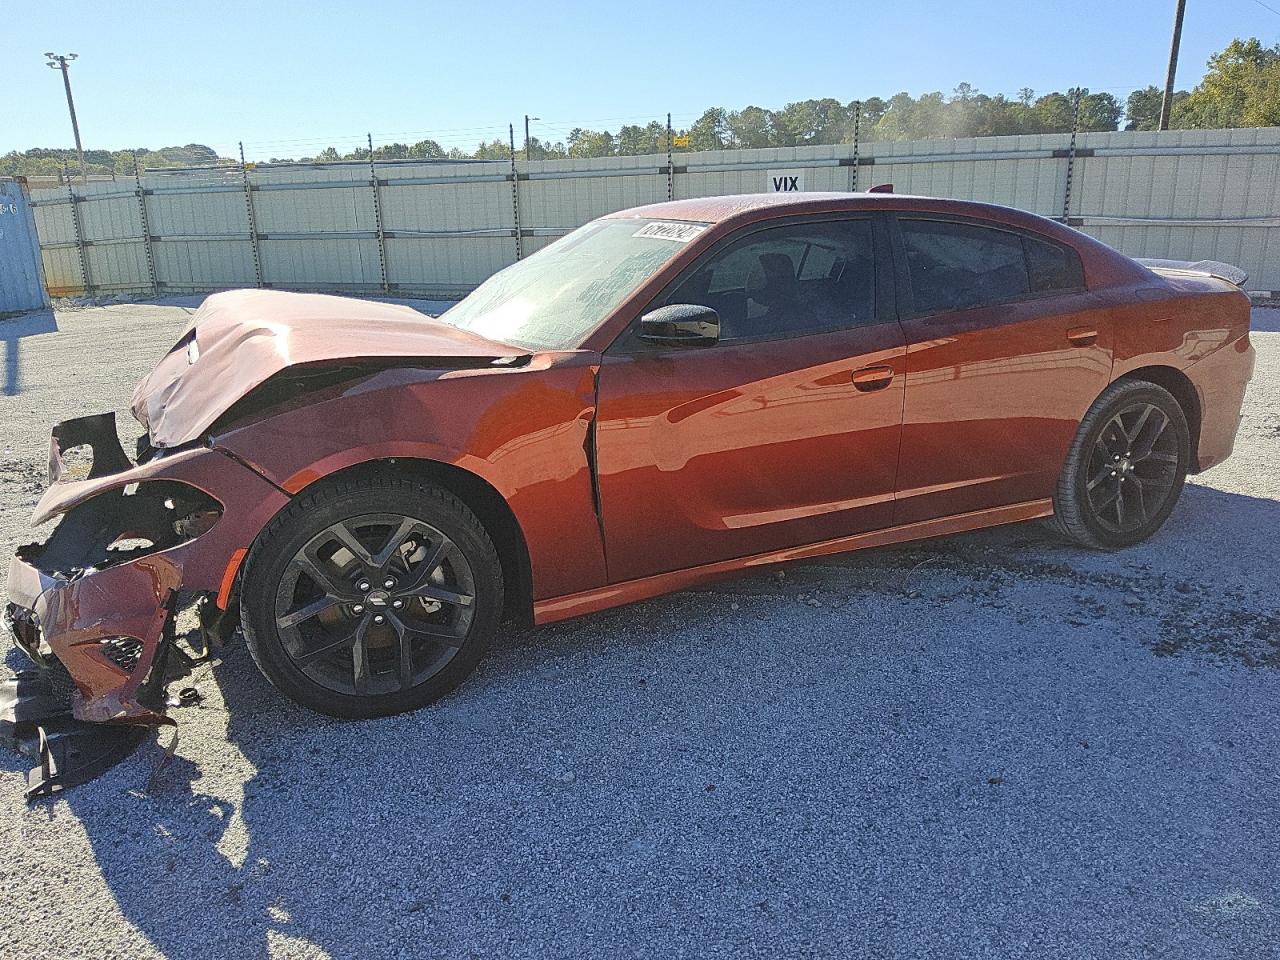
(36, 720)
(96, 603)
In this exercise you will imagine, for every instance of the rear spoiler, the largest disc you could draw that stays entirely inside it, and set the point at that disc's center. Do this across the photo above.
(1199, 268)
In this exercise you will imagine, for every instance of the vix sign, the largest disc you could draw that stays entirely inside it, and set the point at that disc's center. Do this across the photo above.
(785, 181)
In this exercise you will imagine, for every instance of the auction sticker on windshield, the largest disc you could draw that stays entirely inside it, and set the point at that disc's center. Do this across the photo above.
(679, 232)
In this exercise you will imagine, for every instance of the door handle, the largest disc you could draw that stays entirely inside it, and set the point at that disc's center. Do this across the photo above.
(1082, 336)
(872, 378)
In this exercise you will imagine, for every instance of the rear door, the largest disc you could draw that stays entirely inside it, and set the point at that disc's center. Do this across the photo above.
(1006, 350)
(785, 432)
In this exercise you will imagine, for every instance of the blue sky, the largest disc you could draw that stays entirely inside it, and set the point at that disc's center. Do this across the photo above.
(290, 78)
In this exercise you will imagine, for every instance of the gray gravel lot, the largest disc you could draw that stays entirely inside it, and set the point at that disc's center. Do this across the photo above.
(990, 745)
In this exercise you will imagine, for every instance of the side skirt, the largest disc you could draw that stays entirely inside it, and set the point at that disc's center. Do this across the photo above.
(617, 594)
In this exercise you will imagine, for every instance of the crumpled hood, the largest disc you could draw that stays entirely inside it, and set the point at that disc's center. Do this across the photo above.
(239, 339)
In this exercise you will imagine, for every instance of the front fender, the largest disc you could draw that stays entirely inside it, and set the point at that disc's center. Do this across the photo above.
(523, 431)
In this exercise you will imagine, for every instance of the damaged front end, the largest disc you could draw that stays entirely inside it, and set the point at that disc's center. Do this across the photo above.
(95, 605)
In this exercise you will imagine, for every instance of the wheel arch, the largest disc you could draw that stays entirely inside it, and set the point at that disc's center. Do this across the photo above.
(490, 508)
(1183, 390)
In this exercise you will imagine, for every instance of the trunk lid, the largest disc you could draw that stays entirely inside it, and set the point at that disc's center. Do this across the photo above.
(1197, 268)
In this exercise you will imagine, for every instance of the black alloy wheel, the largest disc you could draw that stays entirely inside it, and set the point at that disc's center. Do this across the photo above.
(1133, 468)
(375, 604)
(371, 595)
(1125, 469)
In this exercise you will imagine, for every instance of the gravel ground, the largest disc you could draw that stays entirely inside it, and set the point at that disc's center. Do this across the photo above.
(986, 745)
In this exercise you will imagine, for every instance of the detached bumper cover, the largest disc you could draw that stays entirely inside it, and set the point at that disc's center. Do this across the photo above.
(131, 546)
(78, 620)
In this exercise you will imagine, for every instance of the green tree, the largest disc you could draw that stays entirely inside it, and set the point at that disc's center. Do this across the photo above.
(1099, 111)
(808, 122)
(1053, 112)
(426, 150)
(997, 117)
(493, 150)
(541, 150)
(908, 118)
(633, 140)
(751, 127)
(1142, 109)
(710, 131)
(590, 143)
(1241, 89)
(873, 109)
(391, 151)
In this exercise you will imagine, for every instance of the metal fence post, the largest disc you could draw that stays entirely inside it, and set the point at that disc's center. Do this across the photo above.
(146, 228)
(1071, 153)
(253, 220)
(515, 191)
(75, 223)
(671, 167)
(857, 125)
(377, 219)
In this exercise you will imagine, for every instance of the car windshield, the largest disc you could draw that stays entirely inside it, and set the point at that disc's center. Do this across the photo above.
(553, 299)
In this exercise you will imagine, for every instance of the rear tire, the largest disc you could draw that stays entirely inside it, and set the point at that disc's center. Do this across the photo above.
(1126, 467)
(371, 595)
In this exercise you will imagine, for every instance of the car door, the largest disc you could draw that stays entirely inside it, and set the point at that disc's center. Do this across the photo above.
(1006, 350)
(784, 432)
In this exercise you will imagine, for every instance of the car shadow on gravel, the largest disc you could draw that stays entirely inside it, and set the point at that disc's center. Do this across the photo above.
(11, 333)
(653, 764)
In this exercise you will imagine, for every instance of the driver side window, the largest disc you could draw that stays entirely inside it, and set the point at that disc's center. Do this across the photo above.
(787, 281)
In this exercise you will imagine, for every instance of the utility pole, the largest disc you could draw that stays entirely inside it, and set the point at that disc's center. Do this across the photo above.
(58, 62)
(1166, 105)
(527, 118)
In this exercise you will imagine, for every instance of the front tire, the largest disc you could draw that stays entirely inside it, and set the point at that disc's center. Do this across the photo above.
(371, 595)
(1126, 467)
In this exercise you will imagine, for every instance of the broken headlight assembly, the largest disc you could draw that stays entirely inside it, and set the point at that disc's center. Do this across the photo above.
(121, 525)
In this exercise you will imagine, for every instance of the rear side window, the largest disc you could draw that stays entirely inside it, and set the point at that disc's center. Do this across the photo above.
(1052, 268)
(956, 266)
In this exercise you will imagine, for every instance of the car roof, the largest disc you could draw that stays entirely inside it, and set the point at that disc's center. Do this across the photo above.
(756, 205)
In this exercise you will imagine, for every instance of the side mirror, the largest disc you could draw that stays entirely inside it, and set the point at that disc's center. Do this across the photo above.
(681, 325)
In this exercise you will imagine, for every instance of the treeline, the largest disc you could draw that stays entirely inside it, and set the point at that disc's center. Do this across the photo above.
(1240, 89)
(44, 162)
(967, 113)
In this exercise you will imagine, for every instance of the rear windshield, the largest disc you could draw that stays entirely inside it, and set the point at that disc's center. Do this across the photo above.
(554, 298)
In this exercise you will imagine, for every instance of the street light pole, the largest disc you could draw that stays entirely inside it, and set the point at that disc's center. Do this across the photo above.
(58, 62)
(1166, 105)
(527, 118)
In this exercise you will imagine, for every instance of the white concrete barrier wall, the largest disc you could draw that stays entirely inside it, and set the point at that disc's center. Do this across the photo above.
(439, 229)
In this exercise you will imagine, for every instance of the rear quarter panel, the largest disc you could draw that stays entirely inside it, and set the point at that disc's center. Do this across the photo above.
(1199, 326)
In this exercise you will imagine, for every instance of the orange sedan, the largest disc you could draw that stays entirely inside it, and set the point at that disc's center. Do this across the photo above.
(666, 395)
